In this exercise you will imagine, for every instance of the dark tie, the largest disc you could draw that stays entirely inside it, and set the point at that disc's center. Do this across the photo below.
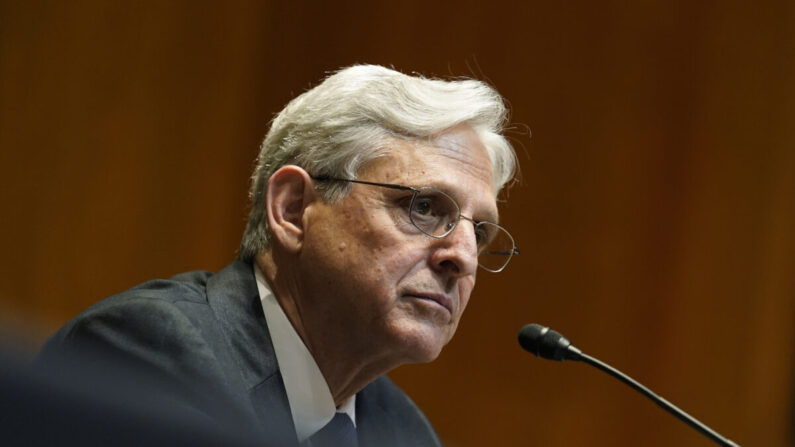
(339, 432)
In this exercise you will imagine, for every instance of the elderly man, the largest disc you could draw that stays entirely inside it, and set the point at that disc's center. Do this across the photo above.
(373, 204)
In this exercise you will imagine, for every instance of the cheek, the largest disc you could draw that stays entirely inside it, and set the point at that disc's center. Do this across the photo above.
(388, 264)
(366, 246)
(382, 247)
(465, 287)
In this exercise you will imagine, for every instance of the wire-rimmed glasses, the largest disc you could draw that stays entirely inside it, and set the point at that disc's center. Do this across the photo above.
(436, 214)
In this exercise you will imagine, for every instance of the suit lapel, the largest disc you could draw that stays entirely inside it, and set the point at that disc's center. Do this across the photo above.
(372, 421)
(273, 411)
(233, 296)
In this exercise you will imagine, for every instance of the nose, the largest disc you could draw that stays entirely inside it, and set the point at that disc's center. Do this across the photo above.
(457, 253)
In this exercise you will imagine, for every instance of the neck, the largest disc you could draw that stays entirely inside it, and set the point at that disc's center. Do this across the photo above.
(346, 368)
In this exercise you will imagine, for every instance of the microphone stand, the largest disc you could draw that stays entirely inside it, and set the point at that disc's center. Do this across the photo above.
(548, 344)
(662, 403)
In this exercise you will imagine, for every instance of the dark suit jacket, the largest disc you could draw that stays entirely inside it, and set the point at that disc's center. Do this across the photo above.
(201, 340)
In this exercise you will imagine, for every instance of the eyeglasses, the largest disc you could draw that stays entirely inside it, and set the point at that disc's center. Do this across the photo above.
(436, 214)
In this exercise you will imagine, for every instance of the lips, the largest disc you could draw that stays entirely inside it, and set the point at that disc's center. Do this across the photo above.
(438, 298)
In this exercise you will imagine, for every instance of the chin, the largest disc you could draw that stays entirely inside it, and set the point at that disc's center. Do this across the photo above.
(427, 357)
(424, 346)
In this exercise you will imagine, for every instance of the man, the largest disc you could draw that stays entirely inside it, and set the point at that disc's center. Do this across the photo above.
(373, 204)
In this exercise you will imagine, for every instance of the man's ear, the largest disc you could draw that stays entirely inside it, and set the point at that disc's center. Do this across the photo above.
(290, 190)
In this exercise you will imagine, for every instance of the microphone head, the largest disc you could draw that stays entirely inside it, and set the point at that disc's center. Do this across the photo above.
(546, 343)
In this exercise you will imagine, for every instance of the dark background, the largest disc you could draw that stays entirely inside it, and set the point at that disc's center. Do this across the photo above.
(655, 212)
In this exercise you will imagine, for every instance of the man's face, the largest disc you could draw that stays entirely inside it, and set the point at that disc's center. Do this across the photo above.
(373, 281)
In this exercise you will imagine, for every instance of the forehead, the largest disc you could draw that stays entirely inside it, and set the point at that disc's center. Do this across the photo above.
(454, 161)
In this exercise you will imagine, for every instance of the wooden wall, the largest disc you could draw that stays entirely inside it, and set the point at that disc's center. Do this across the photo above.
(655, 212)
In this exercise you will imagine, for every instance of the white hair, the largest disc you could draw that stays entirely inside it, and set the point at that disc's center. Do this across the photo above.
(346, 121)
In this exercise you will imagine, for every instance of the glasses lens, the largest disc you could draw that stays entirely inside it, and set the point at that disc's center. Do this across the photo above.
(436, 214)
(433, 212)
(496, 246)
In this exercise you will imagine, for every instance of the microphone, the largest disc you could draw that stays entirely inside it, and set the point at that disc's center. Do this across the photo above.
(548, 344)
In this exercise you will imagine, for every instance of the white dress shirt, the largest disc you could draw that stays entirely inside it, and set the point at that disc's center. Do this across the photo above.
(311, 403)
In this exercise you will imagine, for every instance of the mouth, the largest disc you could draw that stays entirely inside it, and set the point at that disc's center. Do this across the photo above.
(441, 300)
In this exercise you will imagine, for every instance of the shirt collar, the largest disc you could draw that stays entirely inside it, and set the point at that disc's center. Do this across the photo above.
(311, 403)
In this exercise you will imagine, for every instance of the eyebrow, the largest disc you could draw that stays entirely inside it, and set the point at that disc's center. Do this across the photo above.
(445, 187)
(493, 218)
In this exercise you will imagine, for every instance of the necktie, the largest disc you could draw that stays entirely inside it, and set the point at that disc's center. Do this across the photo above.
(339, 432)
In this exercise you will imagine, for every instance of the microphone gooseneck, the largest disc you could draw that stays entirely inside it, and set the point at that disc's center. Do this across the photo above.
(548, 344)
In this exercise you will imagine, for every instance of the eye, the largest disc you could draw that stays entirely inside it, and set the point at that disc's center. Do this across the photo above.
(423, 206)
(485, 234)
(434, 212)
(433, 205)
(481, 236)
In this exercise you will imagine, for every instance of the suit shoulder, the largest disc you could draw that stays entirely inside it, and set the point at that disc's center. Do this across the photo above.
(153, 308)
(189, 286)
